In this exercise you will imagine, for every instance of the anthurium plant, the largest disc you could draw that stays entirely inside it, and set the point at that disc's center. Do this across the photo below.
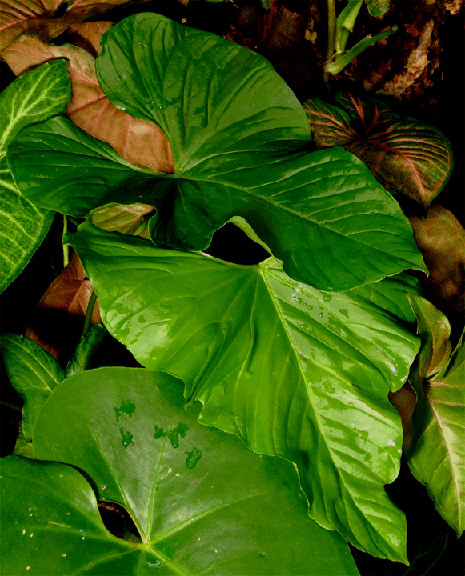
(256, 435)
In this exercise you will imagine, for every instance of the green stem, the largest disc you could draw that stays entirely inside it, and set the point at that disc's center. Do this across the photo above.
(331, 40)
(10, 405)
(90, 309)
(65, 246)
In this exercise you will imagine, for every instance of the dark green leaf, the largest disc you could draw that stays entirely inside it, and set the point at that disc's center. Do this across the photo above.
(139, 446)
(240, 141)
(437, 457)
(33, 372)
(32, 98)
(294, 371)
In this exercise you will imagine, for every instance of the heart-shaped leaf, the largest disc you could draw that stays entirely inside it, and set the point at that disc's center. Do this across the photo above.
(377, 8)
(404, 155)
(294, 371)
(437, 456)
(139, 142)
(33, 372)
(240, 144)
(141, 448)
(32, 98)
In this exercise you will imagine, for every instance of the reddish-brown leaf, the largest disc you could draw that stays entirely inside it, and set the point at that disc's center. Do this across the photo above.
(140, 143)
(45, 18)
(58, 321)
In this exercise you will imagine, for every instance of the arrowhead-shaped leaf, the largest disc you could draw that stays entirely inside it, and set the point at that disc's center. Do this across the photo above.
(33, 372)
(132, 438)
(240, 142)
(404, 155)
(437, 456)
(32, 98)
(294, 371)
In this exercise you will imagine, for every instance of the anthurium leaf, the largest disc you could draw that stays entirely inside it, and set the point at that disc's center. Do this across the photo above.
(141, 143)
(33, 372)
(437, 457)
(405, 156)
(32, 98)
(293, 371)
(51, 524)
(434, 330)
(191, 516)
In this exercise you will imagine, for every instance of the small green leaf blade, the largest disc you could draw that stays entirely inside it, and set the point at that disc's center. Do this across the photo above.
(191, 515)
(207, 322)
(32, 98)
(33, 372)
(51, 524)
(437, 456)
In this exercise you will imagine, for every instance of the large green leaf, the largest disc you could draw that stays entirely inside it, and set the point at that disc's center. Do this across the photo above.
(240, 143)
(293, 371)
(32, 98)
(133, 440)
(33, 372)
(437, 456)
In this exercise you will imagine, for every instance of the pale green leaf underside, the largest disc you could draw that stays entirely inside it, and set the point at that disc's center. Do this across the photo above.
(32, 98)
(292, 370)
(33, 372)
(140, 447)
(437, 456)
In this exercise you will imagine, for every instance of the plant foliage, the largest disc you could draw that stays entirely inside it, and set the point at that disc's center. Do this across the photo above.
(296, 358)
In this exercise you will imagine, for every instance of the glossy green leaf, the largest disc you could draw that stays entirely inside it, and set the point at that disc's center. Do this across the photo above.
(32, 98)
(294, 371)
(240, 142)
(437, 456)
(33, 372)
(138, 445)
(434, 330)
(51, 525)
(405, 156)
